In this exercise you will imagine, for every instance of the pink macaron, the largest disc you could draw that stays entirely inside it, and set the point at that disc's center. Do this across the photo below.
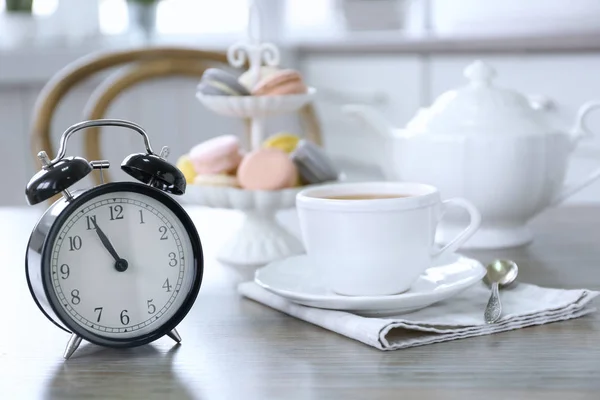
(284, 82)
(219, 155)
(267, 169)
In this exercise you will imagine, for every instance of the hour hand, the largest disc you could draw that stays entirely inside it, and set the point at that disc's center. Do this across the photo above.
(107, 244)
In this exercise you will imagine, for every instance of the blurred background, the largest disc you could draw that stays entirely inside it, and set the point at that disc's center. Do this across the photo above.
(395, 55)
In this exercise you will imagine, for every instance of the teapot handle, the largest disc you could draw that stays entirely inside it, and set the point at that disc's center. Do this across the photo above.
(580, 130)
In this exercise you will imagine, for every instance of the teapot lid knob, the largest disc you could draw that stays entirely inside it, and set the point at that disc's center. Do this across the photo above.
(480, 73)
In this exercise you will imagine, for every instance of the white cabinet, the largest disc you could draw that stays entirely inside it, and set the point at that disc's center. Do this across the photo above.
(390, 83)
(396, 84)
(511, 17)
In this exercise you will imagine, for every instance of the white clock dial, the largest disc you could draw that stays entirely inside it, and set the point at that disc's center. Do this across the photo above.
(117, 299)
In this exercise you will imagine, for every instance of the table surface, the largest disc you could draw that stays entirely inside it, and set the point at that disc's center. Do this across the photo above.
(234, 348)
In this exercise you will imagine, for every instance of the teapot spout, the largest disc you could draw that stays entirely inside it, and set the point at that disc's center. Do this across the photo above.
(369, 116)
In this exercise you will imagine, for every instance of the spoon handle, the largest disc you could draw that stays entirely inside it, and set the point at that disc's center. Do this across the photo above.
(494, 308)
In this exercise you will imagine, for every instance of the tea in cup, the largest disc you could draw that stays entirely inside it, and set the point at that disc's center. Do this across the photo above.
(376, 238)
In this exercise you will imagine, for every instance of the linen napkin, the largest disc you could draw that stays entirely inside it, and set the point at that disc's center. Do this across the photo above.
(456, 318)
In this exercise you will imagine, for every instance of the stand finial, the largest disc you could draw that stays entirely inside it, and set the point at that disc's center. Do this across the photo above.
(252, 49)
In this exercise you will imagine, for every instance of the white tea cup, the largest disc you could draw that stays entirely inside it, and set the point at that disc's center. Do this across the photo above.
(376, 238)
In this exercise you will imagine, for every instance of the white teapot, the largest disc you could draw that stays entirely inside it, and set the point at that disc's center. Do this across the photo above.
(489, 145)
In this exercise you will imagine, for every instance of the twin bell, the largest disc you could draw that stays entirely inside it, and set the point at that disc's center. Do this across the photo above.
(59, 174)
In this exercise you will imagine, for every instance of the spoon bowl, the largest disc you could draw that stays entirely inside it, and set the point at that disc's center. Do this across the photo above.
(502, 271)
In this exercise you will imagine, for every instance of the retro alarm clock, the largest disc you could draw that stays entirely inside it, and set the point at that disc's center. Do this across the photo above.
(119, 264)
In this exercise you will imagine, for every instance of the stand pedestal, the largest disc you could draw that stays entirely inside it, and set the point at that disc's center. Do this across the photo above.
(257, 132)
(260, 240)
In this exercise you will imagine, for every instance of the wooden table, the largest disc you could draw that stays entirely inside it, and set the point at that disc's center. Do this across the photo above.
(234, 348)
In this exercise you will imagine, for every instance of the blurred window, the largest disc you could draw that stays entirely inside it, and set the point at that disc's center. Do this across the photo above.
(309, 14)
(181, 17)
(40, 7)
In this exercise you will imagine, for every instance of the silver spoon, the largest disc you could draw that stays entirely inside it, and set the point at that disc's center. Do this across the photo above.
(500, 273)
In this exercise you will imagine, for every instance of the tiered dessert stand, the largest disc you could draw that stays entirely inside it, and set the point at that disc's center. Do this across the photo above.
(261, 239)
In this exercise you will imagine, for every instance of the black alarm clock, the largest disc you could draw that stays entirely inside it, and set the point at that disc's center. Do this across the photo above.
(119, 264)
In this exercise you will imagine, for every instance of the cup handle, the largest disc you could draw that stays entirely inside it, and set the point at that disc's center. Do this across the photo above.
(475, 221)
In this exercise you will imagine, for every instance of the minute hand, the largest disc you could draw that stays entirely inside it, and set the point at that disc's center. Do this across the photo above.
(107, 244)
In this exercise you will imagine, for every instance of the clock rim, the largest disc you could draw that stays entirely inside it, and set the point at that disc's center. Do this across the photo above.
(46, 254)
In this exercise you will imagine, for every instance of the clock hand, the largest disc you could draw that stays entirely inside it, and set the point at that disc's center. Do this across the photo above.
(120, 263)
(106, 242)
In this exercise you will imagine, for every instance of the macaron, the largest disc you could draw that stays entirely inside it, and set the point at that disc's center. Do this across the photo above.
(283, 82)
(217, 82)
(282, 141)
(219, 155)
(216, 180)
(314, 166)
(187, 168)
(246, 78)
(267, 169)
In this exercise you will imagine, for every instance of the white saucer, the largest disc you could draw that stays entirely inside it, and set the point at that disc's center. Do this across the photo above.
(298, 280)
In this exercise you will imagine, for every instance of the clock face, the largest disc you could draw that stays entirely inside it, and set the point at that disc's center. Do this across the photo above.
(121, 265)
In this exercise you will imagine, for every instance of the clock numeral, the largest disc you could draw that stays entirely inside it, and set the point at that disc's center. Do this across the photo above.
(167, 286)
(172, 259)
(74, 243)
(116, 212)
(151, 307)
(91, 222)
(99, 311)
(142, 217)
(65, 271)
(163, 231)
(124, 317)
(75, 297)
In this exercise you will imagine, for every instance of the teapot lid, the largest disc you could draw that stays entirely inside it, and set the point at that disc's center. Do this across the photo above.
(480, 107)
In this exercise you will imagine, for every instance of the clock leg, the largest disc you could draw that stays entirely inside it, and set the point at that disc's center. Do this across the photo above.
(73, 344)
(174, 335)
